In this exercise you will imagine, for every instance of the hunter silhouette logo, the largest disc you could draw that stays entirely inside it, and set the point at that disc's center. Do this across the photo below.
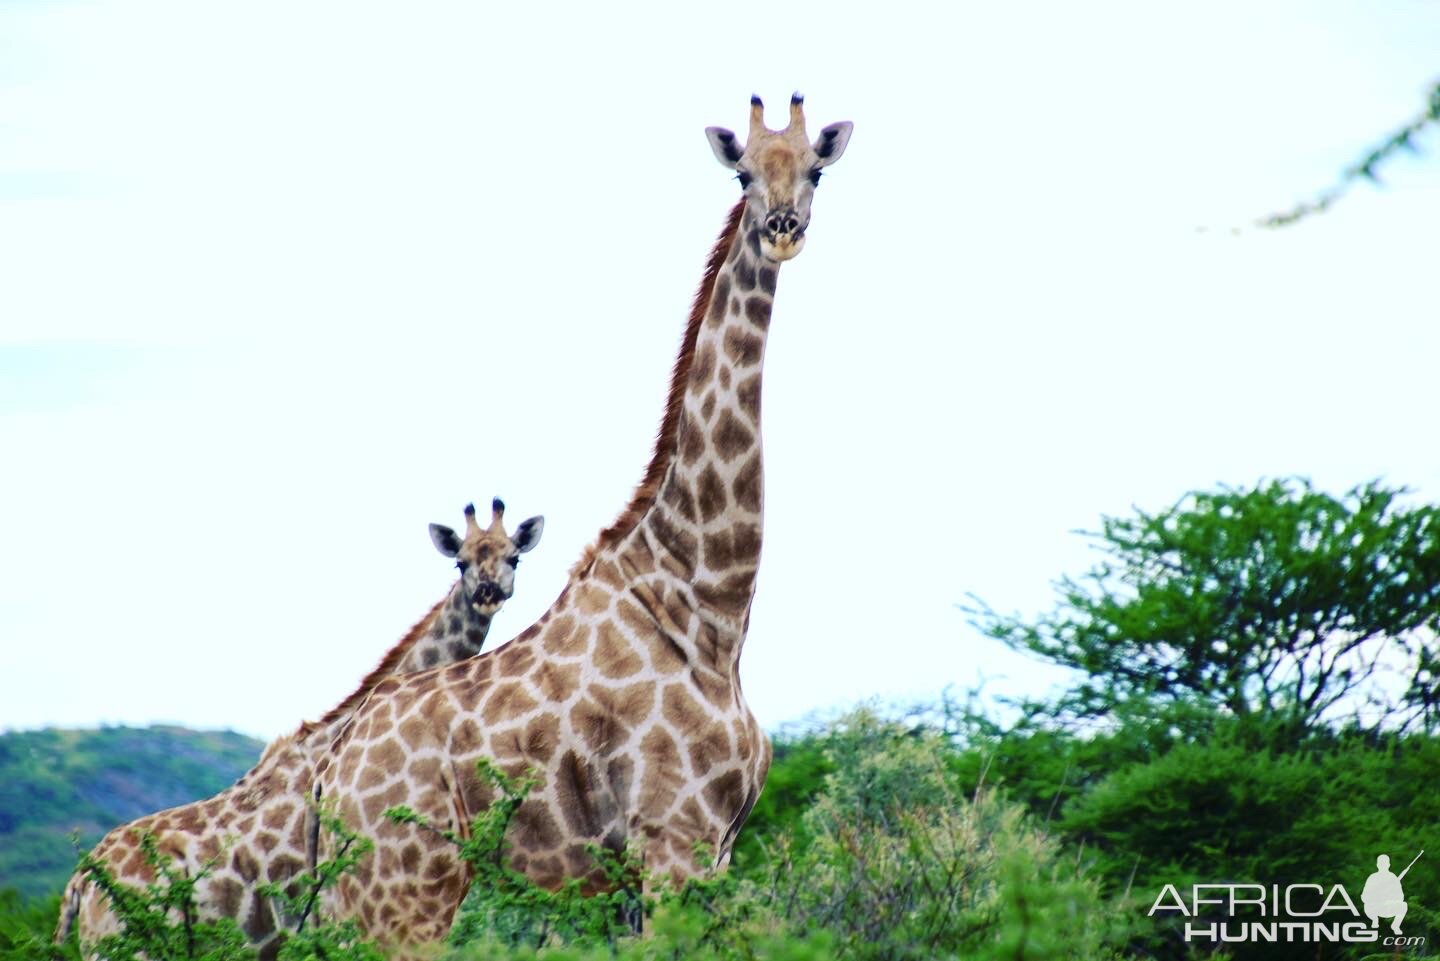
(1383, 896)
(1238, 912)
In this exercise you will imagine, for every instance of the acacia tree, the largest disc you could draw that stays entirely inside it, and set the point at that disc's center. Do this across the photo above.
(1367, 167)
(1281, 600)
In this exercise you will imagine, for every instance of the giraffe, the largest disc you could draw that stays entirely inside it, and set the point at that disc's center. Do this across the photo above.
(624, 698)
(262, 828)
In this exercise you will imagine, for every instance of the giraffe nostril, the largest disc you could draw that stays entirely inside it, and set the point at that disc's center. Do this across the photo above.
(781, 222)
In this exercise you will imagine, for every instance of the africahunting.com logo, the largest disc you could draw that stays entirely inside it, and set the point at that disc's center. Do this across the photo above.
(1234, 913)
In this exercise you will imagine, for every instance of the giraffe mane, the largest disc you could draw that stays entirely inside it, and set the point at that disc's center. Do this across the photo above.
(386, 668)
(665, 439)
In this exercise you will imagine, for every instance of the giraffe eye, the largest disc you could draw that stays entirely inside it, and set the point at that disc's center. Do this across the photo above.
(815, 177)
(462, 566)
(513, 561)
(744, 179)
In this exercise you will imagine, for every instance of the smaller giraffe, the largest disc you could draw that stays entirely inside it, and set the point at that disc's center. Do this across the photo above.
(262, 828)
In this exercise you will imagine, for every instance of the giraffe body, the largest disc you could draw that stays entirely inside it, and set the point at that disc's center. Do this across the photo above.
(624, 699)
(263, 828)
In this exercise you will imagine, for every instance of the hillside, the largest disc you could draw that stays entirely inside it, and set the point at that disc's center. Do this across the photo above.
(54, 783)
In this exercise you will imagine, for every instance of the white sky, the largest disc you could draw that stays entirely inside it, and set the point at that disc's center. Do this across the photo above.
(282, 283)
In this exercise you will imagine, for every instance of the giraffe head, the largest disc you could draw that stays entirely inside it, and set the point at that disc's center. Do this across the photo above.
(487, 556)
(779, 170)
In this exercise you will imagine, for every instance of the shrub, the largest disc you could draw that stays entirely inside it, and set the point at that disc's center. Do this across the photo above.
(898, 863)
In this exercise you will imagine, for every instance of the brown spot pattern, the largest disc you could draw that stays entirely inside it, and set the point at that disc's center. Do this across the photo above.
(666, 656)
(595, 726)
(387, 756)
(662, 778)
(748, 485)
(555, 682)
(757, 311)
(541, 736)
(563, 639)
(592, 599)
(261, 922)
(509, 699)
(692, 441)
(744, 350)
(678, 496)
(730, 596)
(533, 827)
(726, 794)
(516, 659)
(573, 788)
(765, 277)
(745, 275)
(711, 491)
(732, 438)
(412, 731)
(703, 365)
(465, 738)
(613, 656)
(227, 894)
(680, 544)
(747, 397)
(718, 297)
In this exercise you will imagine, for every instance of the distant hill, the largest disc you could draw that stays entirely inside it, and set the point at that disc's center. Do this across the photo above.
(55, 782)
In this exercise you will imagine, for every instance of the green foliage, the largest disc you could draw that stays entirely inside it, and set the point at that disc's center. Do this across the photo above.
(54, 783)
(942, 836)
(312, 937)
(796, 777)
(338, 941)
(1367, 167)
(1257, 702)
(887, 859)
(1281, 601)
(161, 920)
(1222, 810)
(676, 933)
(1045, 759)
(504, 907)
(897, 862)
(26, 925)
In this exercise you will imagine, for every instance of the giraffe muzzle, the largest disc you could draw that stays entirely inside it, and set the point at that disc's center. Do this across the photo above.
(488, 594)
(784, 234)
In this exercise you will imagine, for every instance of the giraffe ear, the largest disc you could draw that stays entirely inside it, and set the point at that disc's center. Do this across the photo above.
(831, 142)
(446, 541)
(722, 141)
(527, 535)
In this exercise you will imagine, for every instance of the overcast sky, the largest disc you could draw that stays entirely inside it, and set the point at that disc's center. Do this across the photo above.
(282, 283)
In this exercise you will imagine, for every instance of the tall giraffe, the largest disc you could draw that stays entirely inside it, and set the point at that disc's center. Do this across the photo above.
(624, 697)
(262, 828)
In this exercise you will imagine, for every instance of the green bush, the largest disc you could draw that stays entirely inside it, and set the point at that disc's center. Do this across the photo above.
(898, 862)
(26, 925)
(1224, 810)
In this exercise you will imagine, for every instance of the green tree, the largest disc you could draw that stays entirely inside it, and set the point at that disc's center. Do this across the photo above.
(1367, 167)
(1280, 601)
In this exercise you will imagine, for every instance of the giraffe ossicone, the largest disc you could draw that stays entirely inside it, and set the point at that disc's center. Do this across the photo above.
(624, 698)
(263, 828)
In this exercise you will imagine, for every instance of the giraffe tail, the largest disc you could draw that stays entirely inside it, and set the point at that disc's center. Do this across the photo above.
(69, 908)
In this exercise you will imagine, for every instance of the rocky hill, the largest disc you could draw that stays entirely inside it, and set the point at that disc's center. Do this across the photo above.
(55, 783)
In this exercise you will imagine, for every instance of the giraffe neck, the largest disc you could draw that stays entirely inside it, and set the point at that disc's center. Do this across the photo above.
(705, 521)
(455, 632)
